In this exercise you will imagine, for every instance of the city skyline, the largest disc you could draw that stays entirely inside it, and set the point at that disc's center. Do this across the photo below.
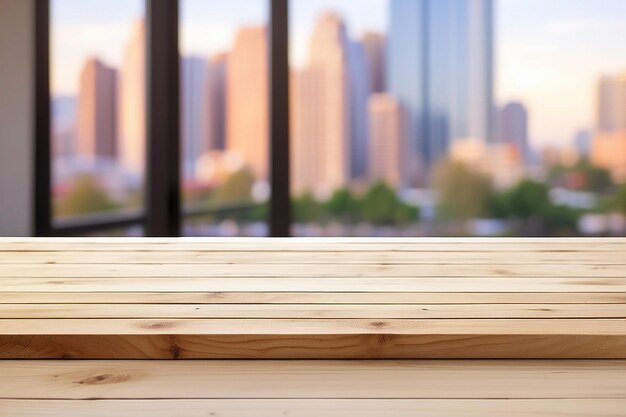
(343, 148)
(328, 127)
(355, 156)
(526, 45)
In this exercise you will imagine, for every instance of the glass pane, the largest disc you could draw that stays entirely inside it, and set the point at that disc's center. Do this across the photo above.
(458, 117)
(224, 116)
(97, 64)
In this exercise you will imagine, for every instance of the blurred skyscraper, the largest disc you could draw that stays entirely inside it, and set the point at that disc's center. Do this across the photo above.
(360, 91)
(97, 107)
(608, 147)
(440, 66)
(366, 69)
(247, 99)
(582, 142)
(321, 111)
(611, 99)
(388, 140)
(193, 113)
(513, 126)
(64, 110)
(216, 102)
(374, 49)
(132, 104)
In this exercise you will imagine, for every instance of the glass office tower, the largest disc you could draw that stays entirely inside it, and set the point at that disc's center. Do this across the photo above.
(440, 67)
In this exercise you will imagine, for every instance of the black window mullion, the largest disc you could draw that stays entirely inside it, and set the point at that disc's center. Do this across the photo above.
(42, 212)
(162, 201)
(280, 204)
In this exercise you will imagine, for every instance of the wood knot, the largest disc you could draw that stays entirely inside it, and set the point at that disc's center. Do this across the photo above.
(103, 379)
(378, 324)
(159, 325)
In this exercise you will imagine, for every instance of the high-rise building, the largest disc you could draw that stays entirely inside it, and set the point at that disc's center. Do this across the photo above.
(64, 109)
(608, 147)
(611, 104)
(513, 126)
(97, 118)
(360, 91)
(193, 113)
(247, 99)
(321, 121)
(366, 62)
(216, 102)
(440, 66)
(582, 142)
(132, 102)
(306, 100)
(388, 140)
(374, 49)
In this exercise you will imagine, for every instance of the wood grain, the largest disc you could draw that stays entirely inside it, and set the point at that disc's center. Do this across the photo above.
(206, 257)
(332, 346)
(339, 270)
(309, 379)
(320, 327)
(312, 298)
(397, 285)
(311, 311)
(348, 298)
(315, 408)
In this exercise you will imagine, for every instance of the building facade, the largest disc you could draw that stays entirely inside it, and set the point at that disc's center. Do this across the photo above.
(440, 66)
(97, 112)
(388, 140)
(247, 100)
(321, 131)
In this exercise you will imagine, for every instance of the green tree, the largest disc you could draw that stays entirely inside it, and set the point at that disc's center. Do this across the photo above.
(343, 205)
(527, 199)
(463, 192)
(582, 176)
(619, 201)
(85, 196)
(529, 204)
(381, 206)
(306, 209)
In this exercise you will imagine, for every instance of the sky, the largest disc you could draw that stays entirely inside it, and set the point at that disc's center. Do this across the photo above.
(549, 53)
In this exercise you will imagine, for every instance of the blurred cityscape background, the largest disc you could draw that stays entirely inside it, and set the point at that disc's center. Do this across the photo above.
(408, 117)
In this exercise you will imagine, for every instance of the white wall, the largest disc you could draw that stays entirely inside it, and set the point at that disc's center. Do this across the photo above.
(16, 116)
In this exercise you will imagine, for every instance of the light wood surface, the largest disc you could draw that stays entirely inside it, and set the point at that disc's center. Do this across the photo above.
(312, 388)
(315, 408)
(312, 298)
(311, 311)
(289, 301)
(384, 379)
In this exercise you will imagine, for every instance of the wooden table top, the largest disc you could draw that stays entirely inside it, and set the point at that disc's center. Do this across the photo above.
(552, 307)
(140, 298)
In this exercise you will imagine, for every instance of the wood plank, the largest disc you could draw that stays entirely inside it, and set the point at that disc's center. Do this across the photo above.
(319, 327)
(331, 346)
(310, 270)
(311, 311)
(306, 379)
(450, 285)
(309, 257)
(449, 245)
(308, 298)
(315, 407)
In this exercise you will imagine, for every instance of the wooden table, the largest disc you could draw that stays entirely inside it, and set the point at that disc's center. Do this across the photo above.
(401, 300)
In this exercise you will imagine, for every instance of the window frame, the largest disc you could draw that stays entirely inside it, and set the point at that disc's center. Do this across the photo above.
(162, 214)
